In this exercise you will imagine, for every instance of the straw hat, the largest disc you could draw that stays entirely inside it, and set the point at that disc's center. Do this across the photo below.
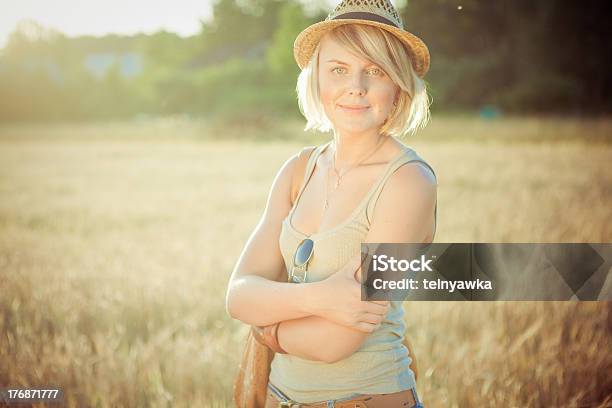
(376, 13)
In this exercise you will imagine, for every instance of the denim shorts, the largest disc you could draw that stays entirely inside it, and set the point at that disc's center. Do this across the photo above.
(331, 403)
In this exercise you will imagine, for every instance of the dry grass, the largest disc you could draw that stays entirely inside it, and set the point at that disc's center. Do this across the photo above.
(117, 242)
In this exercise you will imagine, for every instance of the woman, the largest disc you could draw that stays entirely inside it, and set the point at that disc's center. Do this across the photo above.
(361, 78)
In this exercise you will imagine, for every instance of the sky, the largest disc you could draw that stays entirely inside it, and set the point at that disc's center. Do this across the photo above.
(78, 17)
(99, 17)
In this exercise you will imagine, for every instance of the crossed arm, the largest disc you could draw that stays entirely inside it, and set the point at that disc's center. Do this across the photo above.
(302, 332)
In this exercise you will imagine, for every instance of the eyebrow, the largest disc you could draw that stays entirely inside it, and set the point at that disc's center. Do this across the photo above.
(344, 63)
(337, 61)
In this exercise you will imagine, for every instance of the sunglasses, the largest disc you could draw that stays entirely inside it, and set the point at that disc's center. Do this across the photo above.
(302, 256)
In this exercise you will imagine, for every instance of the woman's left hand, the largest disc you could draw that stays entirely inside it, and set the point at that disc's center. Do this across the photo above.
(338, 299)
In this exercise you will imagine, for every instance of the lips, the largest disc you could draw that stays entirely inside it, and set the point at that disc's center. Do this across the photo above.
(354, 108)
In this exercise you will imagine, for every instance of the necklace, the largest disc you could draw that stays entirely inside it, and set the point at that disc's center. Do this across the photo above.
(379, 144)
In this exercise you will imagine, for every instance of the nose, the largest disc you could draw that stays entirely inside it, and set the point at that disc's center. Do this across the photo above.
(357, 85)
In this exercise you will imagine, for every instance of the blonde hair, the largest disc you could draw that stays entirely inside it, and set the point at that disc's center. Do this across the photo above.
(384, 49)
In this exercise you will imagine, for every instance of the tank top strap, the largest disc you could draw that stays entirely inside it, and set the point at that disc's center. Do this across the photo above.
(310, 165)
(408, 156)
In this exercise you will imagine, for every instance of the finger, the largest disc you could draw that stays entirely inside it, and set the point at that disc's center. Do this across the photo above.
(366, 327)
(376, 308)
(372, 318)
(380, 302)
(361, 265)
(357, 275)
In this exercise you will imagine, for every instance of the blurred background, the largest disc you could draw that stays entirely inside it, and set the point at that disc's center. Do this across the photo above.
(546, 56)
(139, 140)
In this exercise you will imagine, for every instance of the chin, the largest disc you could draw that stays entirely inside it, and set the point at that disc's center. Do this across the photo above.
(354, 128)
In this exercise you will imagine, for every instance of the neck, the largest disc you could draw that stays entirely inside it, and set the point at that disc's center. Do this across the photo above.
(350, 148)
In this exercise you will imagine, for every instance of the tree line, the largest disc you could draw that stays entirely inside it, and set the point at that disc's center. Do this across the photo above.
(516, 56)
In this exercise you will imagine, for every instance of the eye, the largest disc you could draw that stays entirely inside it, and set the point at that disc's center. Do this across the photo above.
(376, 71)
(336, 69)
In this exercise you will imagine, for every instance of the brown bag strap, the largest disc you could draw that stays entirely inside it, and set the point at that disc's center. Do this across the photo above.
(298, 171)
(413, 363)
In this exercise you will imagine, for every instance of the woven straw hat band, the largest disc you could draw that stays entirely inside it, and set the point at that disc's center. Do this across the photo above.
(365, 16)
(381, 8)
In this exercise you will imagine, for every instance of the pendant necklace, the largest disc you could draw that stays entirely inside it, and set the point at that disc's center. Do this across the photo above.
(339, 177)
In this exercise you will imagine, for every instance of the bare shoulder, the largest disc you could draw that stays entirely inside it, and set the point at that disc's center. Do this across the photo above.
(280, 193)
(279, 199)
(405, 208)
(412, 188)
(292, 161)
(286, 170)
(414, 173)
(411, 180)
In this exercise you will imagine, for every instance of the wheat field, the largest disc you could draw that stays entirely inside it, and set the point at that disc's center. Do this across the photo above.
(117, 241)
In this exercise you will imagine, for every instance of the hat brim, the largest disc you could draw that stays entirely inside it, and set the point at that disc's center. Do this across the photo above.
(307, 41)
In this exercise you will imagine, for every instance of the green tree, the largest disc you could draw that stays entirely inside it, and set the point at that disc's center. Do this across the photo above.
(291, 21)
(238, 25)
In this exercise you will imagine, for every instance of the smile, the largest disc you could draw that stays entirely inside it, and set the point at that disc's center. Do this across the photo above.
(353, 108)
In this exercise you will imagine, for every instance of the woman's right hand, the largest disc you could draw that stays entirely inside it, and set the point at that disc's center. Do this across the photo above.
(338, 299)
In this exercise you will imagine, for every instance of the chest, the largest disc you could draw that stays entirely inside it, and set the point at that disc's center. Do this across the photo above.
(332, 249)
(328, 202)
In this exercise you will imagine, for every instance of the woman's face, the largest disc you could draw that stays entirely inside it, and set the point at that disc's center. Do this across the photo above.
(357, 94)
